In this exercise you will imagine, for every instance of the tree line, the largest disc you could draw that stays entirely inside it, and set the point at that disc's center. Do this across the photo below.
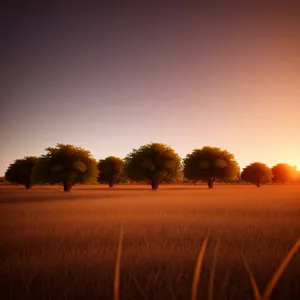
(153, 163)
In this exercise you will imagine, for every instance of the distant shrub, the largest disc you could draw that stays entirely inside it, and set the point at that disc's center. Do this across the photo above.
(210, 164)
(21, 170)
(257, 174)
(153, 164)
(66, 165)
(110, 170)
(284, 173)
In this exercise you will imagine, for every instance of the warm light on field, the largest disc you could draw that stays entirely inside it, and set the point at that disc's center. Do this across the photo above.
(72, 243)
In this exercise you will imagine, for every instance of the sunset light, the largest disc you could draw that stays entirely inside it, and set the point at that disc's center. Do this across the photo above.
(150, 150)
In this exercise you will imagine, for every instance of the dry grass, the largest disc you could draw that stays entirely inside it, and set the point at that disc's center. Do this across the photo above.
(64, 246)
(118, 267)
(274, 280)
(198, 269)
(212, 275)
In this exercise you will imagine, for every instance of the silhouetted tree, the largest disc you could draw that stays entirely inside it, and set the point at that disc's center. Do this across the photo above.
(257, 174)
(298, 176)
(284, 173)
(20, 171)
(210, 163)
(2, 179)
(110, 170)
(66, 165)
(154, 164)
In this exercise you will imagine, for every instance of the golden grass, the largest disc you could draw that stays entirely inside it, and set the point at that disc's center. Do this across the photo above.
(274, 280)
(59, 245)
(256, 292)
(198, 268)
(280, 270)
(212, 274)
(118, 267)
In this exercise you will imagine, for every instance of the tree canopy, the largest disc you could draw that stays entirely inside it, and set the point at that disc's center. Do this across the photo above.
(298, 176)
(21, 170)
(257, 173)
(284, 173)
(66, 165)
(110, 170)
(154, 164)
(210, 163)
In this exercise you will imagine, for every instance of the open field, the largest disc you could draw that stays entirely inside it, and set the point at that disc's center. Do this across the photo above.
(57, 245)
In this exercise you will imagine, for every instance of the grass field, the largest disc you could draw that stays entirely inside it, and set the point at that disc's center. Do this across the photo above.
(57, 245)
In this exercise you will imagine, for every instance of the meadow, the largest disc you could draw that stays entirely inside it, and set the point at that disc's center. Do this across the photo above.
(57, 245)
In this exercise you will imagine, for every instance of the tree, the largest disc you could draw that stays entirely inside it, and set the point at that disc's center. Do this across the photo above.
(66, 165)
(2, 179)
(110, 170)
(298, 176)
(257, 173)
(21, 170)
(154, 164)
(210, 163)
(284, 173)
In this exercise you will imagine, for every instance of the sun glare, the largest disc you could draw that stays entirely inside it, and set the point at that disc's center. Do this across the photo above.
(296, 165)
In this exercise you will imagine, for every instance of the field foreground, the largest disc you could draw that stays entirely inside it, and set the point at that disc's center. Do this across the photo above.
(57, 245)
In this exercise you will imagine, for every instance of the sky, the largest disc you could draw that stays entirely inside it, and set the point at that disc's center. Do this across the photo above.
(111, 78)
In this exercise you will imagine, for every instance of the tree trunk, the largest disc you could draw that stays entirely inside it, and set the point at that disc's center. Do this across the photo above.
(154, 185)
(67, 187)
(211, 183)
(28, 186)
(258, 184)
(111, 183)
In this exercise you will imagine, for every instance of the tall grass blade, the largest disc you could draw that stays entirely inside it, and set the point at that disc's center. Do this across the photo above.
(272, 283)
(118, 267)
(225, 283)
(198, 268)
(256, 292)
(212, 274)
(140, 288)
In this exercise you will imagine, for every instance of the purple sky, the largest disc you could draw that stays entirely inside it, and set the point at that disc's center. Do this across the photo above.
(111, 79)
